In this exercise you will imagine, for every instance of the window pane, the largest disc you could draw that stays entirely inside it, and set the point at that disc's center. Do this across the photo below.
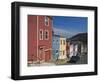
(41, 35)
(63, 42)
(46, 35)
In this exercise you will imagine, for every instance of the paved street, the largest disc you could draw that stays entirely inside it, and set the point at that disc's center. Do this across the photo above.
(83, 59)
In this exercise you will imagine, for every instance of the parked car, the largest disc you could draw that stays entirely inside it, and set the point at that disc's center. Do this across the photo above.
(74, 59)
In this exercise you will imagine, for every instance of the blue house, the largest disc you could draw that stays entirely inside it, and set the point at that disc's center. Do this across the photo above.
(55, 46)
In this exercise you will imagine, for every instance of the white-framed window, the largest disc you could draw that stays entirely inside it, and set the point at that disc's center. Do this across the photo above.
(46, 20)
(41, 34)
(46, 34)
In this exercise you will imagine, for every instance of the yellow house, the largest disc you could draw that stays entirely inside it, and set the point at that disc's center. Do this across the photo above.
(62, 54)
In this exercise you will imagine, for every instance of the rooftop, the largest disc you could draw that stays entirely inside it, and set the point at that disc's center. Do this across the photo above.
(79, 37)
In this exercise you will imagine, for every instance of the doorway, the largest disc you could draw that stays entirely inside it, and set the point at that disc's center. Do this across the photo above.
(41, 55)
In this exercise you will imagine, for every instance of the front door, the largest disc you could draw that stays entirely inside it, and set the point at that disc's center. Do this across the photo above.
(47, 56)
(41, 54)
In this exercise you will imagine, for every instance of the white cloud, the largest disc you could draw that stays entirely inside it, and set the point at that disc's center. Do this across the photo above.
(63, 32)
(60, 30)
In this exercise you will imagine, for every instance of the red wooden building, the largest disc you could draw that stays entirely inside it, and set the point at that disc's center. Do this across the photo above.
(39, 38)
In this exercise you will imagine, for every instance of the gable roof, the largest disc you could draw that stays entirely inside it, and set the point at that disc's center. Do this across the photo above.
(79, 37)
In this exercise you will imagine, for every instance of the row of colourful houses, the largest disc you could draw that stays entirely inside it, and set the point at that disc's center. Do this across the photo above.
(44, 45)
(59, 45)
(65, 48)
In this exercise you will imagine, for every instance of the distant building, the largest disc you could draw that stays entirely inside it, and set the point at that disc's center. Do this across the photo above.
(78, 44)
(39, 38)
(62, 48)
(55, 46)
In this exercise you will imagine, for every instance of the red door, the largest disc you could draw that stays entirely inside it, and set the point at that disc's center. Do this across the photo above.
(47, 56)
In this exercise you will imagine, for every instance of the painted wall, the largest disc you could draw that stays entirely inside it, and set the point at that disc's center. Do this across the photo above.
(55, 46)
(67, 48)
(32, 38)
(71, 50)
(35, 23)
(84, 48)
(46, 44)
(62, 48)
(77, 49)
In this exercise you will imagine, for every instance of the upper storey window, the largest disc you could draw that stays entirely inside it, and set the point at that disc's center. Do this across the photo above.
(41, 34)
(46, 21)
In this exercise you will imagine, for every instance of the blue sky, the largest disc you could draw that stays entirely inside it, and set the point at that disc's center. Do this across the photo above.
(67, 25)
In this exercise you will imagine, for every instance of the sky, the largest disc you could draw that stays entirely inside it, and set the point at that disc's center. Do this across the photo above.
(69, 26)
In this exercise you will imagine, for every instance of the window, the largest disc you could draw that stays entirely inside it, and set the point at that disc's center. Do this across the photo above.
(46, 35)
(41, 34)
(63, 42)
(46, 21)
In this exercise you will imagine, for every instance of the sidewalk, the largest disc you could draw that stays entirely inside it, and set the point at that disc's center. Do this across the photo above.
(44, 64)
